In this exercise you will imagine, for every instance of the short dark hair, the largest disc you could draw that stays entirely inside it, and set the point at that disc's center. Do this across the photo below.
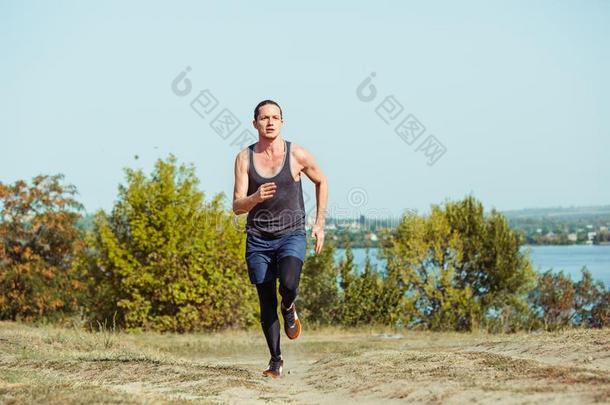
(265, 102)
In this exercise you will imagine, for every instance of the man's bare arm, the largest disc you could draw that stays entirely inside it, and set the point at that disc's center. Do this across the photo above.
(315, 174)
(243, 203)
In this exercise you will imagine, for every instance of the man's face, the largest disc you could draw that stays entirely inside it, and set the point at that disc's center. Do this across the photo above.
(269, 121)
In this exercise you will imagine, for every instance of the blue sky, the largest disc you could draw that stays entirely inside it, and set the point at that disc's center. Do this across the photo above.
(517, 93)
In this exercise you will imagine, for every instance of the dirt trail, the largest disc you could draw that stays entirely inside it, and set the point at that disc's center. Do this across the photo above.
(296, 386)
(59, 366)
(570, 367)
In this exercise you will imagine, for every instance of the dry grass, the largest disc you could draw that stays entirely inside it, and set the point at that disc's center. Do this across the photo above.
(54, 365)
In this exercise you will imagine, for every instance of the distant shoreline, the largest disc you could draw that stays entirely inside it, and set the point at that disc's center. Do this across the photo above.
(377, 246)
(568, 258)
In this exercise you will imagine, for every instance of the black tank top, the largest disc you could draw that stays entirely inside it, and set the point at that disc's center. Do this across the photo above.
(283, 213)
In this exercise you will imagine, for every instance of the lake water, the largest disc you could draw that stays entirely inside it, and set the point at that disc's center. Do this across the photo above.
(569, 258)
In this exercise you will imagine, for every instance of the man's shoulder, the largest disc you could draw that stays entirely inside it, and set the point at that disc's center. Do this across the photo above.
(241, 158)
(299, 152)
(243, 153)
(296, 148)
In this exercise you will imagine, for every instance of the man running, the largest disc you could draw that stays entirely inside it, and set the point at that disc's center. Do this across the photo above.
(268, 187)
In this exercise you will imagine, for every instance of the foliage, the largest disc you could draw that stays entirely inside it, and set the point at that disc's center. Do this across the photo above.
(39, 240)
(492, 265)
(557, 302)
(319, 296)
(454, 269)
(460, 266)
(165, 259)
(368, 297)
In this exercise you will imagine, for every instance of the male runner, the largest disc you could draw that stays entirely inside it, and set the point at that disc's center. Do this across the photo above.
(268, 187)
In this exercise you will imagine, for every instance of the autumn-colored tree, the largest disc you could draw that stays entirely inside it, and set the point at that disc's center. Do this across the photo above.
(38, 241)
(166, 260)
(589, 297)
(558, 302)
(600, 311)
(553, 299)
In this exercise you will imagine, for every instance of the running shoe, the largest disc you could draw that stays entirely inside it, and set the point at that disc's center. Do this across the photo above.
(274, 369)
(292, 324)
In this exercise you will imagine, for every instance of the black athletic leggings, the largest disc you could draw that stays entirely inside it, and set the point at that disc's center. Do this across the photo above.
(290, 274)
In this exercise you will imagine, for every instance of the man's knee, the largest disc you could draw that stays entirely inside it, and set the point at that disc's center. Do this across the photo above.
(288, 294)
(290, 274)
(268, 303)
(267, 319)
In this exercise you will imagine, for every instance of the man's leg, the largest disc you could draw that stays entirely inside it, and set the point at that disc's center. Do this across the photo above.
(290, 275)
(269, 321)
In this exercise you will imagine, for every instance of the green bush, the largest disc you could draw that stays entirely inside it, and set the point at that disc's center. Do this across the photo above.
(318, 292)
(166, 260)
(459, 267)
(369, 297)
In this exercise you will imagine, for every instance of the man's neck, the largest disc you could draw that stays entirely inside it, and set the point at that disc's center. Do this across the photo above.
(271, 146)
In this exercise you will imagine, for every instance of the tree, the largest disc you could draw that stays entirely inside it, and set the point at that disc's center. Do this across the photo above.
(166, 260)
(459, 266)
(558, 302)
(492, 265)
(369, 297)
(346, 267)
(589, 297)
(600, 312)
(319, 298)
(553, 300)
(39, 240)
(426, 252)
(360, 300)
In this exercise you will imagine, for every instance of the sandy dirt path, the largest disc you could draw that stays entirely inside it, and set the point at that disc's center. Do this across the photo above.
(333, 366)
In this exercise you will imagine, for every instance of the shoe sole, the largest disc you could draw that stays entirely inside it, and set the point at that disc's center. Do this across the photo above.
(297, 333)
(272, 375)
